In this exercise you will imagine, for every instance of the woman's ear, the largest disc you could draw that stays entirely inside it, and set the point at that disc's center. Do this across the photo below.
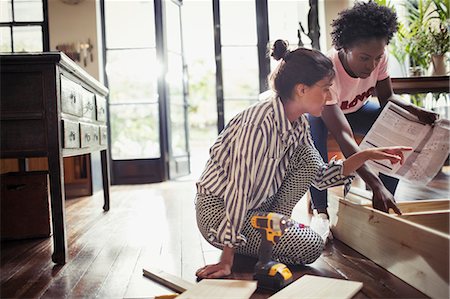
(300, 89)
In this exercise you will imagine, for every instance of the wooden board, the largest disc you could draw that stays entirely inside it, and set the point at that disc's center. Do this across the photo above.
(310, 286)
(413, 251)
(220, 288)
(168, 280)
(438, 220)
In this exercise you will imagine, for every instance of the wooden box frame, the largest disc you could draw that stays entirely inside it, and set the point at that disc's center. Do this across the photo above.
(413, 246)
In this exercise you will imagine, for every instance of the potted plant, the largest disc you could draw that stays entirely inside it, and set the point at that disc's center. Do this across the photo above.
(439, 44)
(424, 34)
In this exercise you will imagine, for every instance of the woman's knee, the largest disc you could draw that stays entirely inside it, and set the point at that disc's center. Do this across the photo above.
(299, 246)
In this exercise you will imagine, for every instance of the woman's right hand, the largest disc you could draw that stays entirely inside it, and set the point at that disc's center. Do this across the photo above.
(218, 270)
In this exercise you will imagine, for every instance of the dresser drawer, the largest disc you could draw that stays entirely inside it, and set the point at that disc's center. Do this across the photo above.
(89, 110)
(103, 135)
(101, 108)
(90, 135)
(71, 97)
(71, 133)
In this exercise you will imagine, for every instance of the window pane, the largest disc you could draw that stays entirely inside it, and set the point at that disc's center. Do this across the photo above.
(129, 24)
(173, 32)
(178, 132)
(5, 11)
(284, 17)
(175, 78)
(234, 107)
(134, 131)
(28, 10)
(5, 39)
(238, 17)
(240, 72)
(27, 39)
(132, 75)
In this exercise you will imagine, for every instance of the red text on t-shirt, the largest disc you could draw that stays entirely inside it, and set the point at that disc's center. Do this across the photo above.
(361, 97)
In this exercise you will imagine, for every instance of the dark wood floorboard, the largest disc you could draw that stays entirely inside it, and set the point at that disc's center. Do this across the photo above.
(154, 226)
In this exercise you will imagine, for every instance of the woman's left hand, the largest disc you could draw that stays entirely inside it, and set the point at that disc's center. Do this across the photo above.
(214, 271)
(426, 116)
(392, 153)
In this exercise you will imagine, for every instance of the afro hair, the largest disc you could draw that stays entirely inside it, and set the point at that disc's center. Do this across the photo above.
(363, 21)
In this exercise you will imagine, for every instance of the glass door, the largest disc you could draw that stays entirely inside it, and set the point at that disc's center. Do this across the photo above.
(144, 71)
(176, 80)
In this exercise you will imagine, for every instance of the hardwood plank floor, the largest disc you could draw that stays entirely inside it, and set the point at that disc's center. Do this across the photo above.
(154, 226)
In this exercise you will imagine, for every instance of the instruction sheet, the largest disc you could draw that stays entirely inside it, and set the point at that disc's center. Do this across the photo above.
(397, 127)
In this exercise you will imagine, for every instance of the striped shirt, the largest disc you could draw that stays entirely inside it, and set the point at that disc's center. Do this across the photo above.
(249, 161)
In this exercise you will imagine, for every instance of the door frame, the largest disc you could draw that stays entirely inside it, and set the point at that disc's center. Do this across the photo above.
(149, 170)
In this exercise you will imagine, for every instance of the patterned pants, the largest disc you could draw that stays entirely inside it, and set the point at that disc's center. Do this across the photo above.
(299, 245)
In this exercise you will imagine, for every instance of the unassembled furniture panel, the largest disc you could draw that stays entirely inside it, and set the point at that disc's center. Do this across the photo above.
(220, 289)
(310, 286)
(413, 246)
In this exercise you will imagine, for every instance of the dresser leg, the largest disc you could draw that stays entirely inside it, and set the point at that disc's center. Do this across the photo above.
(57, 197)
(105, 178)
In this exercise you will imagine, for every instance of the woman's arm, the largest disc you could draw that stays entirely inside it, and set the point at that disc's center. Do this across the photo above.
(355, 161)
(339, 127)
(385, 94)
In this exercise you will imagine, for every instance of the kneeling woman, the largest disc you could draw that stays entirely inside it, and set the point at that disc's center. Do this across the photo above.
(265, 161)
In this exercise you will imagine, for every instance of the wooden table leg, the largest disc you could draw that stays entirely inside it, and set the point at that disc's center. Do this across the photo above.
(57, 197)
(105, 178)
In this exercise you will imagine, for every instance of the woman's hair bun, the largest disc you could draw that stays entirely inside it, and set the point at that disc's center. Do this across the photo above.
(280, 49)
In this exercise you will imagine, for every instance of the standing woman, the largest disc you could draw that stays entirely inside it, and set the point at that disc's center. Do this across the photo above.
(265, 161)
(360, 36)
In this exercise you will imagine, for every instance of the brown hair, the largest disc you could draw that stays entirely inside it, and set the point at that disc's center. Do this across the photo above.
(302, 65)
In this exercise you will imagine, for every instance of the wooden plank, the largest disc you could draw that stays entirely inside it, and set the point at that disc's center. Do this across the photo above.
(438, 220)
(415, 253)
(377, 282)
(424, 205)
(309, 286)
(220, 289)
(168, 280)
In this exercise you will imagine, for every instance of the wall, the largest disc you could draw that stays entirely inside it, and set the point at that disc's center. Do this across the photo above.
(73, 23)
(332, 8)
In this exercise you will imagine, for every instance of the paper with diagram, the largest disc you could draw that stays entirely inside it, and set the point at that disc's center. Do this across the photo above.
(396, 126)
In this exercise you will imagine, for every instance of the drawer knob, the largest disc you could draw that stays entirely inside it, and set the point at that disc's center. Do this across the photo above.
(73, 98)
(72, 135)
(87, 137)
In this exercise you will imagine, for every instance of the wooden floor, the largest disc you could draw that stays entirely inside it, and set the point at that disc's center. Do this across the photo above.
(154, 226)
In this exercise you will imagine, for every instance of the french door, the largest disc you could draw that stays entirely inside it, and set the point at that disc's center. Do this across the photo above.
(145, 73)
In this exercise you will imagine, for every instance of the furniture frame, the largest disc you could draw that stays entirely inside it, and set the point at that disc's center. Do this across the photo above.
(413, 246)
(52, 108)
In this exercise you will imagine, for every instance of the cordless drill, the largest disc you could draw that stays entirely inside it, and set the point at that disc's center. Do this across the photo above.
(270, 274)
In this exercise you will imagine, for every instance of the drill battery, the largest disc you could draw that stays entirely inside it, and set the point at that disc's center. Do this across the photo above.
(272, 275)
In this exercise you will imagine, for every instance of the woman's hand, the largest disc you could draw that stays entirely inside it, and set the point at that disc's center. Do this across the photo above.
(221, 269)
(214, 271)
(426, 116)
(394, 153)
(383, 200)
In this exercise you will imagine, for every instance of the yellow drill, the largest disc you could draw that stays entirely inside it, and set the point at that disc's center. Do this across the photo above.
(270, 274)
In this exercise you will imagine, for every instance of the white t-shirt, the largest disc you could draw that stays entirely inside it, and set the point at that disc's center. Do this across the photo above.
(350, 93)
